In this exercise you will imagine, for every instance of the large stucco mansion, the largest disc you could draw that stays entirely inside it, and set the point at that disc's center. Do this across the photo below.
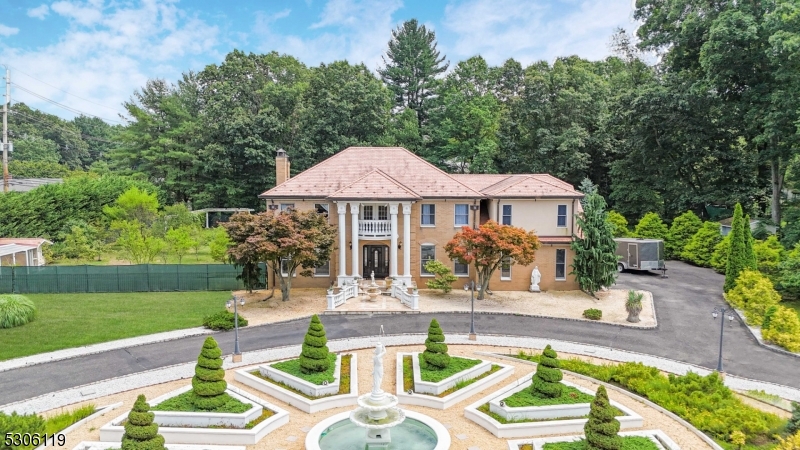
(395, 211)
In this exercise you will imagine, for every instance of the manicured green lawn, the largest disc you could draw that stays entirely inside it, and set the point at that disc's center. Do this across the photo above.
(292, 367)
(184, 403)
(456, 365)
(569, 396)
(74, 320)
(628, 443)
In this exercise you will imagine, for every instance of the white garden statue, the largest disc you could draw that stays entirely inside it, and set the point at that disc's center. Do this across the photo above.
(377, 369)
(536, 276)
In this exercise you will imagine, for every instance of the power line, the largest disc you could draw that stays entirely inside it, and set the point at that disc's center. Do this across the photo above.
(58, 128)
(68, 108)
(66, 92)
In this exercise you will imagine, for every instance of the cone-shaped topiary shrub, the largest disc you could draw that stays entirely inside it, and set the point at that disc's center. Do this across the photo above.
(749, 253)
(737, 259)
(208, 383)
(140, 431)
(546, 380)
(314, 357)
(435, 355)
(601, 429)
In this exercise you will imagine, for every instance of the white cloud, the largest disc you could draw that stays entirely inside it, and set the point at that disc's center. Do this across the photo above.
(39, 12)
(356, 30)
(533, 30)
(107, 52)
(5, 30)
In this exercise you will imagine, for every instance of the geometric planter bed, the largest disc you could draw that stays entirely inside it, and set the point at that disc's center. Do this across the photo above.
(309, 397)
(448, 391)
(539, 420)
(659, 439)
(183, 427)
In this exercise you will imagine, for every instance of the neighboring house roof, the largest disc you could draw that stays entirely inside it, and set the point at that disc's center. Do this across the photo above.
(396, 173)
(375, 185)
(729, 221)
(36, 242)
(10, 249)
(29, 184)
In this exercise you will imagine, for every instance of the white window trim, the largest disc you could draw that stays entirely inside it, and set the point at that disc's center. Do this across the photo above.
(508, 278)
(466, 275)
(565, 265)
(286, 206)
(455, 216)
(425, 225)
(284, 274)
(503, 215)
(566, 215)
(320, 275)
(421, 273)
(328, 205)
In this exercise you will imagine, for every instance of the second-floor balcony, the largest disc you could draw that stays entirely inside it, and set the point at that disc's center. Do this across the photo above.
(374, 228)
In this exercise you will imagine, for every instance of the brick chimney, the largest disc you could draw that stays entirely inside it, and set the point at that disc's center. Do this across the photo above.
(282, 166)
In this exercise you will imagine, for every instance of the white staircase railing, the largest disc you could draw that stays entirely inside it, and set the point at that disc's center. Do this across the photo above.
(410, 299)
(348, 291)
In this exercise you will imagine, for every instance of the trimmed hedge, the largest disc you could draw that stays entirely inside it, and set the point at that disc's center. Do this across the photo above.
(547, 379)
(680, 233)
(435, 356)
(602, 427)
(314, 356)
(15, 310)
(593, 314)
(223, 320)
(651, 227)
(782, 328)
(719, 259)
(754, 294)
(618, 223)
(208, 383)
(140, 431)
(700, 247)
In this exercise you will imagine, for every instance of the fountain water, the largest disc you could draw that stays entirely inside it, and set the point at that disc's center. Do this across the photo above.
(378, 411)
(373, 289)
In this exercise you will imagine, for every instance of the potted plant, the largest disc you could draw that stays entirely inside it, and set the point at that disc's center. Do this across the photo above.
(634, 306)
(330, 288)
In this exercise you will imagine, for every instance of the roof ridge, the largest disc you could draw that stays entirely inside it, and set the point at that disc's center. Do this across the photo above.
(394, 180)
(547, 180)
(383, 174)
(504, 180)
(440, 170)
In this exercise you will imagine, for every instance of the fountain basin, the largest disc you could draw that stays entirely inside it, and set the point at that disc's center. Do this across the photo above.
(417, 432)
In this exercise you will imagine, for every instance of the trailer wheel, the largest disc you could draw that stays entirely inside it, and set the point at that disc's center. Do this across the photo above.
(620, 267)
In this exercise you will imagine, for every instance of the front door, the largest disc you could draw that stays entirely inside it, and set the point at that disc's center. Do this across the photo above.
(376, 259)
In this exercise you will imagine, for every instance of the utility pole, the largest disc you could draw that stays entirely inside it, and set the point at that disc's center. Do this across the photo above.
(6, 99)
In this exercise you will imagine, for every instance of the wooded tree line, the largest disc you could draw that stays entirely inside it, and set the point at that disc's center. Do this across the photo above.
(714, 122)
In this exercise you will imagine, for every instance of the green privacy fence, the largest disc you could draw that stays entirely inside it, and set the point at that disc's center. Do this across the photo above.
(137, 278)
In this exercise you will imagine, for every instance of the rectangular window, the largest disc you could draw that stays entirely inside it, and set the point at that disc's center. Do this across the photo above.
(562, 215)
(561, 264)
(429, 215)
(427, 253)
(462, 215)
(505, 268)
(366, 212)
(460, 270)
(506, 215)
(286, 206)
(322, 208)
(285, 267)
(383, 212)
(323, 270)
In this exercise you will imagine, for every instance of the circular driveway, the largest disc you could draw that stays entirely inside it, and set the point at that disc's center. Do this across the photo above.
(686, 332)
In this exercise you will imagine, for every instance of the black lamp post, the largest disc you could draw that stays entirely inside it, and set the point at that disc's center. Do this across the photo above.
(719, 310)
(472, 335)
(237, 355)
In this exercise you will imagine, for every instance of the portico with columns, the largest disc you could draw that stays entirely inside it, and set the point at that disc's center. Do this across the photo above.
(368, 227)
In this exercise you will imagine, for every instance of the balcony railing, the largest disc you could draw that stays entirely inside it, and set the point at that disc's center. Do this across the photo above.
(374, 228)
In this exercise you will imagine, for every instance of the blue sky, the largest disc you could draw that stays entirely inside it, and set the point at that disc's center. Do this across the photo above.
(91, 55)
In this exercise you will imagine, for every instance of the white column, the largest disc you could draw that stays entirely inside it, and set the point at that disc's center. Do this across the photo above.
(393, 244)
(354, 237)
(342, 209)
(407, 241)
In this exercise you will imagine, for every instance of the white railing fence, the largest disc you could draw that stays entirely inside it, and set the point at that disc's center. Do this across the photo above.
(347, 291)
(410, 299)
(374, 227)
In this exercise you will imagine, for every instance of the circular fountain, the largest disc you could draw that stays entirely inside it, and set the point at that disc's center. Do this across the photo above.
(387, 426)
(373, 290)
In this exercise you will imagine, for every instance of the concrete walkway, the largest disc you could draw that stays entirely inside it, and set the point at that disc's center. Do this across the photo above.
(686, 333)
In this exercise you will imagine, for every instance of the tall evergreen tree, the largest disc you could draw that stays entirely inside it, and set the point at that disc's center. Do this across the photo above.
(595, 261)
(749, 254)
(411, 66)
(736, 256)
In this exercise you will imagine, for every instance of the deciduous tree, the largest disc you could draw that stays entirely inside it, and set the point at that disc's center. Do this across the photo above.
(486, 247)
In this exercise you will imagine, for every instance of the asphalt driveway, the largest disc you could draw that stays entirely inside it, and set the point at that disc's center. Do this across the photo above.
(686, 332)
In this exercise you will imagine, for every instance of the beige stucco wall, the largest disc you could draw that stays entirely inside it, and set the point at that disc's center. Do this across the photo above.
(526, 214)
(539, 215)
